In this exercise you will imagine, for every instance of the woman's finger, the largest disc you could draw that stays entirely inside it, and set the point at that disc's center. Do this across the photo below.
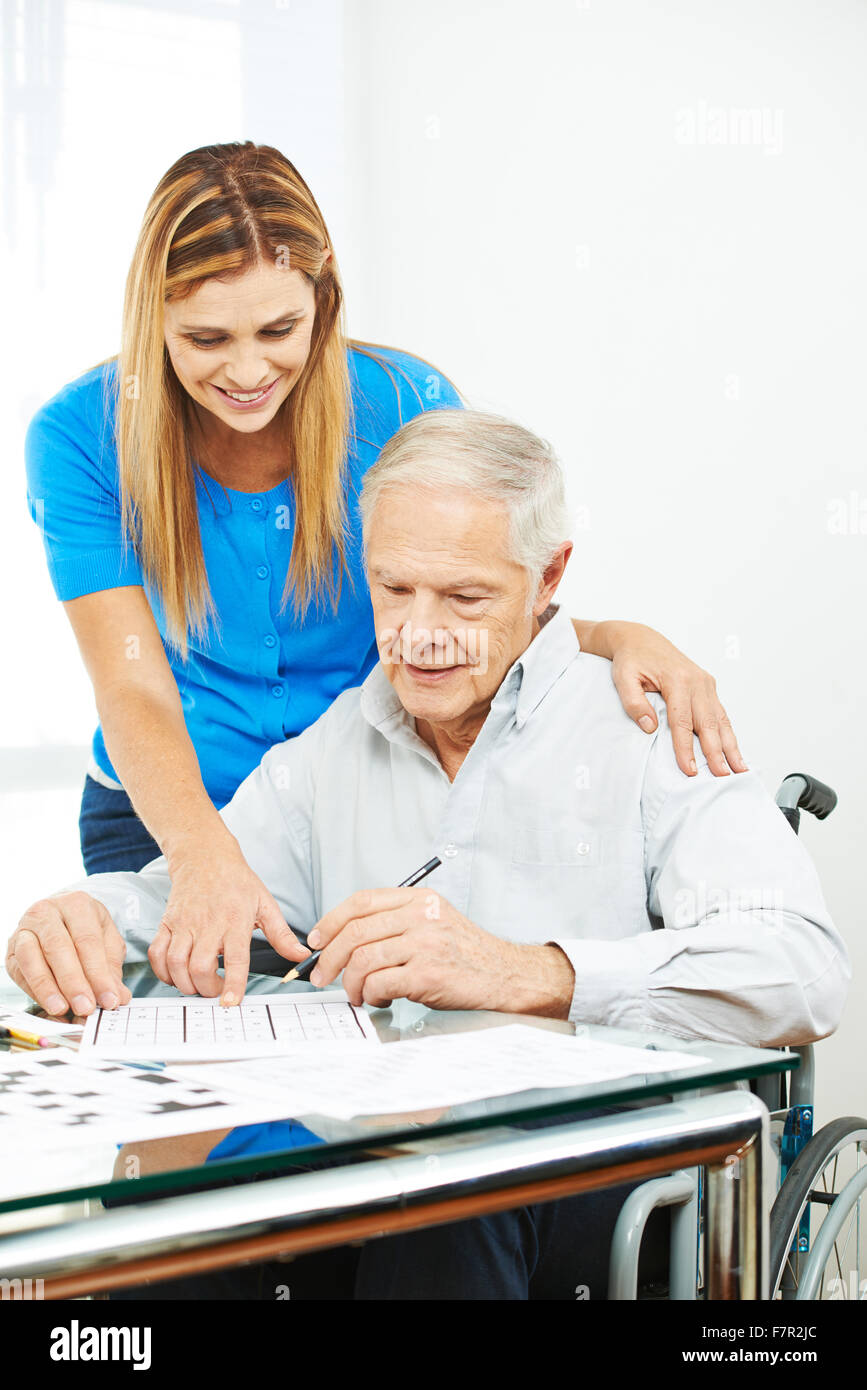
(733, 753)
(707, 728)
(236, 966)
(178, 959)
(680, 722)
(207, 943)
(629, 687)
(203, 963)
(158, 952)
(278, 932)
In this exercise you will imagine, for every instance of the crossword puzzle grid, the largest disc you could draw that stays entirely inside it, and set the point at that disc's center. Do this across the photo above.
(55, 1092)
(249, 1022)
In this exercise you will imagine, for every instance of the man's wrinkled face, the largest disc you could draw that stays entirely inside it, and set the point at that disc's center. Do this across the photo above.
(449, 604)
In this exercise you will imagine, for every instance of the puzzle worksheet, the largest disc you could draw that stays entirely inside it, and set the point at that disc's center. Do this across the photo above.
(440, 1071)
(191, 1029)
(35, 1023)
(57, 1098)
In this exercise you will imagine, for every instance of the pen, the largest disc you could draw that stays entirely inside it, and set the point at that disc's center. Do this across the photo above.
(302, 971)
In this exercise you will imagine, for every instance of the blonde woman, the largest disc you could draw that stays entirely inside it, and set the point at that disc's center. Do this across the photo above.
(197, 496)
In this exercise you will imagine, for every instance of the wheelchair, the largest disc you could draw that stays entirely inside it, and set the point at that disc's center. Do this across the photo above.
(822, 1178)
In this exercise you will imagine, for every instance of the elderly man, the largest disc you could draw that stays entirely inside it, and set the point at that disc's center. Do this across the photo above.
(583, 875)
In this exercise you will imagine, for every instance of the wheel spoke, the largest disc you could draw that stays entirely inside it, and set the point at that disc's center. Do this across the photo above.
(834, 1269)
(858, 1238)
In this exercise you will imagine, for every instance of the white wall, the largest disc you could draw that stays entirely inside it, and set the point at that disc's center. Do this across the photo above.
(98, 98)
(684, 321)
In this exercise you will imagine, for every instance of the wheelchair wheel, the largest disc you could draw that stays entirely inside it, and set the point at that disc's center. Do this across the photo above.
(829, 1180)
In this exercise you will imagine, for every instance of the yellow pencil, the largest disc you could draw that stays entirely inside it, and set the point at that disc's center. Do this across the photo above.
(17, 1033)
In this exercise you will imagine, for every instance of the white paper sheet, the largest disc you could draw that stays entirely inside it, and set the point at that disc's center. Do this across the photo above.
(56, 1101)
(31, 1023)
(189, 1028)
(53, 1099)
(437, 1072)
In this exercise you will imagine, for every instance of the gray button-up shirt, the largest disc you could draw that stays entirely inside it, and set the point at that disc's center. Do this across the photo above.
(684, 904)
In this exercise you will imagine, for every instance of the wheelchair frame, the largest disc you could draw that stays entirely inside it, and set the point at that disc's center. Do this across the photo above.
(796, 1265)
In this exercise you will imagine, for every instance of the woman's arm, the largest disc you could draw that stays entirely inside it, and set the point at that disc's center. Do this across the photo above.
(216, 900)
(645, 660)
(142, 718)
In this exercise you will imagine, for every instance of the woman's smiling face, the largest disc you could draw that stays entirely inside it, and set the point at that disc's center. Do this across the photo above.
(239, 346)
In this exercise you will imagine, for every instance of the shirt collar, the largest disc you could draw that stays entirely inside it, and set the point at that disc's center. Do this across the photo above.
(543, 663)
(523, 687)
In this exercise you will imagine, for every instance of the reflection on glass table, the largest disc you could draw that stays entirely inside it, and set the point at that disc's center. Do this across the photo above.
(30, 1180)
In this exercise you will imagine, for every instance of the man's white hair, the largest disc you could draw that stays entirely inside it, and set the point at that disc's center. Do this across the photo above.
(491, 457)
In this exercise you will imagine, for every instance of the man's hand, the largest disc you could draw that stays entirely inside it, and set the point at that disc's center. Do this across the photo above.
(67, 953)
(410, 943)
(215, 905)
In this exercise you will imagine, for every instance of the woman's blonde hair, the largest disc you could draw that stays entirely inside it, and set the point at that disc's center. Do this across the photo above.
(220, 211)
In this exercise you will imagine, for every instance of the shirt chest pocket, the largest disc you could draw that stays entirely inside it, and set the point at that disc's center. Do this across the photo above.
(573, 877)
(573, 845)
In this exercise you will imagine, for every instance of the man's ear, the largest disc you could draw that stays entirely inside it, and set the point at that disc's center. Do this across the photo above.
(551, 578)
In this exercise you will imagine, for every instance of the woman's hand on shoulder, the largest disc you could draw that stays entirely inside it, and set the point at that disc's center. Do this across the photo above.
(645, 660)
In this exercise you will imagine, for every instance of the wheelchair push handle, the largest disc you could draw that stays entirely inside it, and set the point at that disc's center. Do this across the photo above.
(799, 791)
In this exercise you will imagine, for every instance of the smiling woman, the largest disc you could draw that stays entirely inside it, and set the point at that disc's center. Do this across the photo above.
(243, 370)
(198, 500)
(232, 248)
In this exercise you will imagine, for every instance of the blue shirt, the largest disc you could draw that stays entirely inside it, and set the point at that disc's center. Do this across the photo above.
(261, 677)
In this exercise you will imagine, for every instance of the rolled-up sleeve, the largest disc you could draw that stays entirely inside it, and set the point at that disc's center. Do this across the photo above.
(745, 950)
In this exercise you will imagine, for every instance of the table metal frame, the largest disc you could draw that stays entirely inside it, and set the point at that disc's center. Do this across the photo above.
(725, 1132)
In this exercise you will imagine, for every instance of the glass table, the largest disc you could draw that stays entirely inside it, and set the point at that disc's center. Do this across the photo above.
(386, 1174)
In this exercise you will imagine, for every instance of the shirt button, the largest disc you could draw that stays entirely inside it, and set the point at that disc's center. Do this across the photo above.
(270, 641)
(583, 847)
(450, 851)
(256, 504)
(277, 690)
(262, 571)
